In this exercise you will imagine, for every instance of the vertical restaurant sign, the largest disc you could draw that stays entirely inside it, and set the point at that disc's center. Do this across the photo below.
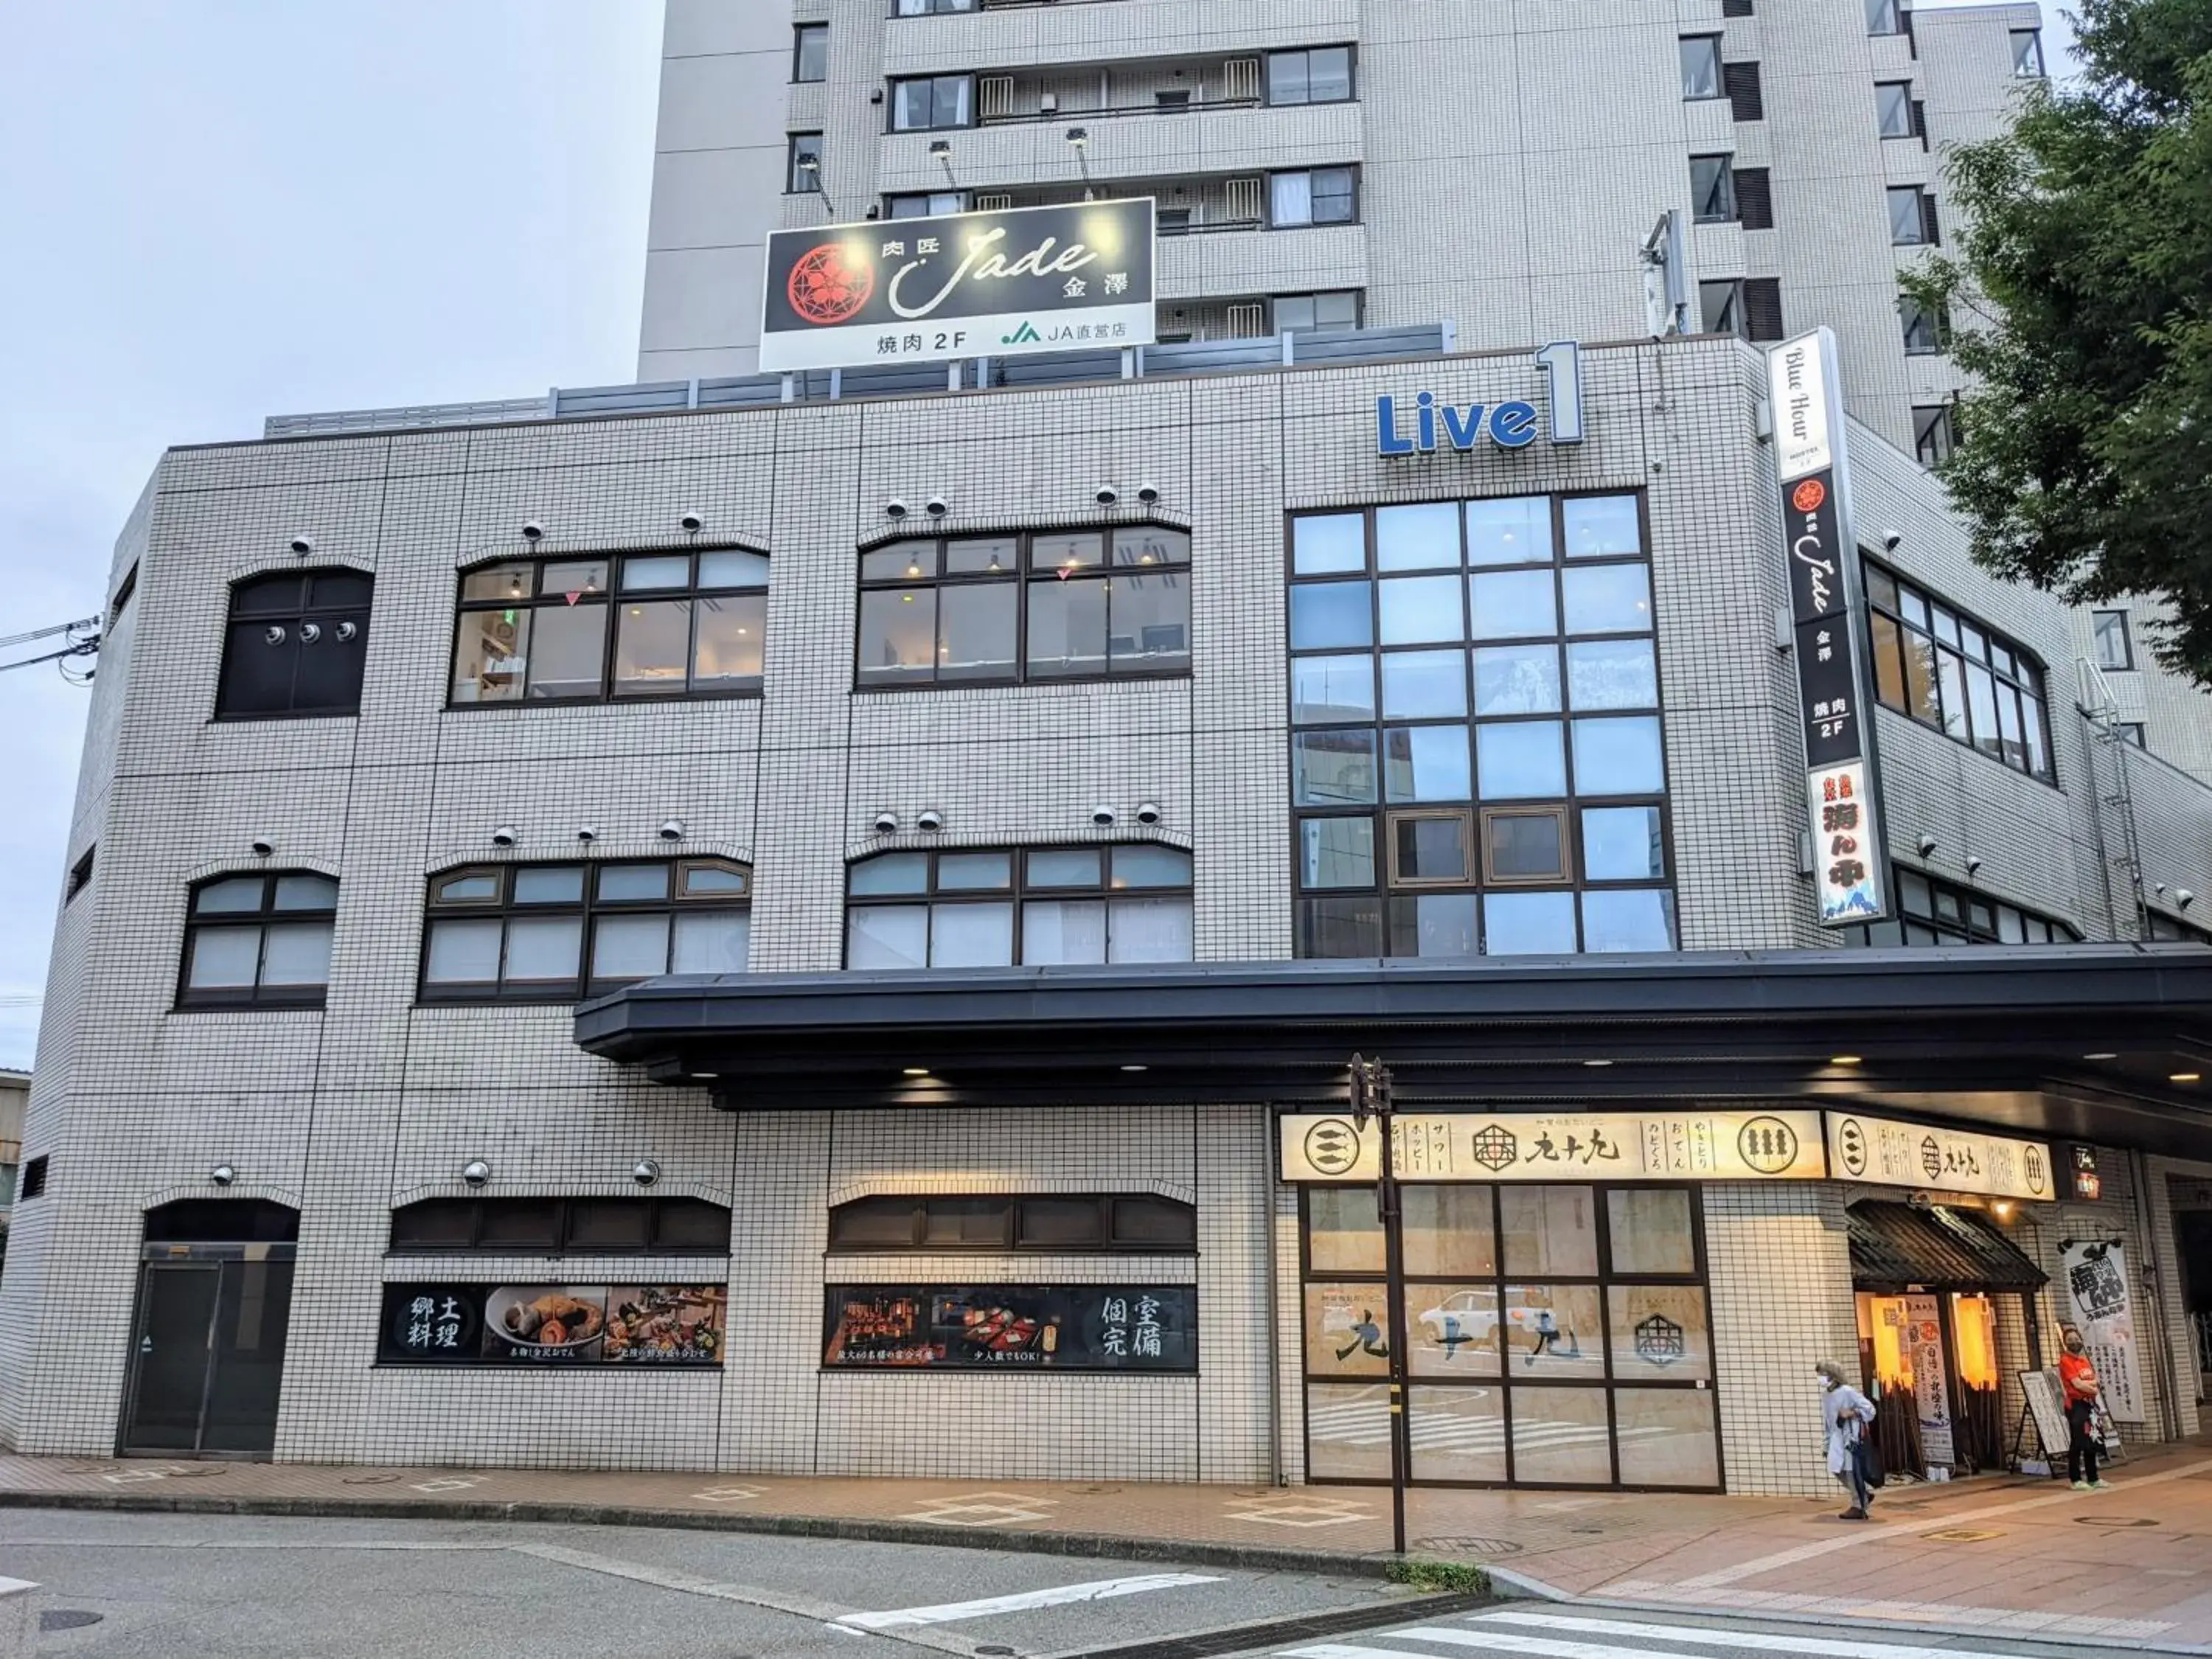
(1012, 283)
(1820, 557)
(1931, 1383)
(2098, 1296)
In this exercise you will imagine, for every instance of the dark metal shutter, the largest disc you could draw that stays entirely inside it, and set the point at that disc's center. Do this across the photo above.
(1735, 8)
(1754, 198)
(1762, 308)
(1930, 231)
(1740, 81)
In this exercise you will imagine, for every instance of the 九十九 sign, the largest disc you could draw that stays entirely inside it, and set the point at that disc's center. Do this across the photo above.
(1682, 1145)
(1885, 1152)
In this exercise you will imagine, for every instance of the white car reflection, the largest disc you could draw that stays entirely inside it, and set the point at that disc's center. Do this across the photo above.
(1471, 1317)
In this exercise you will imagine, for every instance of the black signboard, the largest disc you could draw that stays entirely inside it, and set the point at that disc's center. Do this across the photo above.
(553, 1324)
(1068, 278)
(1074, 1328)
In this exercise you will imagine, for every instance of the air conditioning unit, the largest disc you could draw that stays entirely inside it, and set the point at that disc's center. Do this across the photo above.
(1240, 79)
(1241, 199)
(988, 202)
(1247, 322)
(995, 96)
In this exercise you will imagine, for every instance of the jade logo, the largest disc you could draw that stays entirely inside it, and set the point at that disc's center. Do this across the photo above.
(1022, 336)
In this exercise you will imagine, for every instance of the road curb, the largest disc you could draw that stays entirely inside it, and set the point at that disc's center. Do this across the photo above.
(1258, 1557)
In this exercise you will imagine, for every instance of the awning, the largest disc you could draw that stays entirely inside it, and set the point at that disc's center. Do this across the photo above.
(1897, 1245)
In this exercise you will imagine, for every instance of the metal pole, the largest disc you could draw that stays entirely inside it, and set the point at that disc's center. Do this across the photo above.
(1372, 1098)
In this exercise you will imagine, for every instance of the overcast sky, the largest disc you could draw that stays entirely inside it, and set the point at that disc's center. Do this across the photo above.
(219, 209)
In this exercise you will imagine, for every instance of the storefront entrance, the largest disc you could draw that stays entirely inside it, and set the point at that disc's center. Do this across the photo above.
(214, 1299)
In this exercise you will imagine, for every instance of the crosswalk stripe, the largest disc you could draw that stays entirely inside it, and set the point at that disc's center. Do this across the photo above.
(1701, 1636)
(1100, 1590)
(1339, 1650)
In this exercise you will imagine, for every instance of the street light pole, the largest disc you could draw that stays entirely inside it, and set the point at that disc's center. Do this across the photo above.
(1371, 1097)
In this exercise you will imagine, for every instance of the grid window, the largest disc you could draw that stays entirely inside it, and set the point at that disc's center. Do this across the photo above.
(1318, 196)
(571, 1226)
(810, 54)
(1932, 434)
(1128, 901)
(2116, 649)
(1931, 911)
(553, 933)
(802, 170)
(926, 204)
(1468, 681)
(930, 8)
(1712, 189)
(1892, 108)
(1945, 671)
(1750, 308)
(2027, 54)
(1047, 605)
(1558, 1335)
(1701, 66)
(582, 630)
(1320, 76)
(294, 645)
(932, 102)
(1302, 313)
(258, 941)
(1061, 1223)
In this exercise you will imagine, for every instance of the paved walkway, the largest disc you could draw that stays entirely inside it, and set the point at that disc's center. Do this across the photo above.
(2132, 1567)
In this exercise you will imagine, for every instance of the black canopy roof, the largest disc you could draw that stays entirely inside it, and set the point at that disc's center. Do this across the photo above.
(1897, 1245)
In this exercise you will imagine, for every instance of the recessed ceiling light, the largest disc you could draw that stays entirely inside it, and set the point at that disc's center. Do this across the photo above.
(1136, 1068)
(2184, 1077)
(917, 1071)
(2102, 1054)
(1596, 1064)
(1846, 1059)
(702, 1077)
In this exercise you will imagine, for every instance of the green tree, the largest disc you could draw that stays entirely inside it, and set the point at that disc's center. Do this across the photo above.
(2084, 284)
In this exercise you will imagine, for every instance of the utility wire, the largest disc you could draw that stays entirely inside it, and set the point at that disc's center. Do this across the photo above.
(41, 633)
(82, 649)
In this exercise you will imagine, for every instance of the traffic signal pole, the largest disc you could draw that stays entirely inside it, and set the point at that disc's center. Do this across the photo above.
(1372, 1088)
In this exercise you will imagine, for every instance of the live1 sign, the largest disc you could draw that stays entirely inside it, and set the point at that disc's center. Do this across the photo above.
(1422, 423)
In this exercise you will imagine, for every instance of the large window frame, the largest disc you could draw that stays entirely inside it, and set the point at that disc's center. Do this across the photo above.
(1942, 669)
(1025, 1224)
(1513, 1376)
(1332, 197)
(956, 888)
(1449, 867)
(296, 910)
(712, 893)
(325, 609)
(2107, 629)
(574, 1226)
(1933, 911)
(1290, 75)
(949, 102)
(1029, 583)
(809, 51)
(508, 601)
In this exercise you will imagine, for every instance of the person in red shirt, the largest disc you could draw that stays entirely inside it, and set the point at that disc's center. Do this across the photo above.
(2078, 1378)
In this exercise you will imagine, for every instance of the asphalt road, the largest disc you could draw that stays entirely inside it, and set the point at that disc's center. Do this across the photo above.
(251, 1587)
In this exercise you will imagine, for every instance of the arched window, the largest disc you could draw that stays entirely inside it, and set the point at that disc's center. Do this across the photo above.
(258, 941)
(295, 645)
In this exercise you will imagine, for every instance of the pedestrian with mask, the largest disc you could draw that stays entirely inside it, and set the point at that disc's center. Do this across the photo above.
(2077, 1378)
(1848, 1412)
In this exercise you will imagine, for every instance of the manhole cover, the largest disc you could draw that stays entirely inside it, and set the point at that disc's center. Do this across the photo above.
(370, 1479)
(2112, 1521)
(1486, 1546)
(1962, 1534)
(68, 1618)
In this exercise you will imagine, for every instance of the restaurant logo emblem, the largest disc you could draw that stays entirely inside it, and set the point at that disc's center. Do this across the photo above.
(1767, 1145)
(1332, 1146)
(1659, 1340)
(1931, 1156)
(1851, 1145)
(1808, 496)
(2038, 1178)
(829, 285)
(1494, 1146)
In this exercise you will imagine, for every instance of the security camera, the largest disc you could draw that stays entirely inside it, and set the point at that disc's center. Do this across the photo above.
(936, 506)
(1108, 495)
(932, 819)
(2184, 897)
(503, 837)
(1104, 817)
(222, 1174)
(671, 829)
(1149, 812)
(476, 1172)
(1148, 494)
(303, 545)
(1890, 540)
(692, 523)
(886, 823)
(644, 1172)
(263, 847)
(1927, 845)
(532, 530)
(1973, 866)
(895, 508)
(587, 833)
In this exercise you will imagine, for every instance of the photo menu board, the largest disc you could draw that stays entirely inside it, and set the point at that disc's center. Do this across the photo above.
(1075, 1327)
(553, 1326)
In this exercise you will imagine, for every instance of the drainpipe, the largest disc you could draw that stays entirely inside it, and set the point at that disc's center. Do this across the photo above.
(1274, 1343)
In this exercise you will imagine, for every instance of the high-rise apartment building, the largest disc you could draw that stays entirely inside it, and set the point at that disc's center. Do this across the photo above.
(1335, 163)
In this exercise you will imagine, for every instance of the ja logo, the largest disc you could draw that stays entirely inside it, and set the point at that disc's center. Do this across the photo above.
(1332, 1146)
(1025, 335)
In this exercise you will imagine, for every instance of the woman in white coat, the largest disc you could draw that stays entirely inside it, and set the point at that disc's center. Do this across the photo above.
(1847, 1412)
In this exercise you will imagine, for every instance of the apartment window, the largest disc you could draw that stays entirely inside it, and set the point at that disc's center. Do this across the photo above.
(1887, 17)
(579, 1226)
(810, 53)
(2133, 731)
(1749, 308)
(258, 941)
(1892, 108)
(1475, 757)
(804, 174)
(1042, 906)
(1736, 9)
(1301, 313)
(927, 205)
(552, 932)
(1047, 605)
(1712, 189)
(1947, 672)
(929, 7)
(2027, 54)
(1926, 330)
(1322, 195)
(1740, 84)
(34, 1178)
(1754, 198)
(1135, 1223)
(2116, 649)
(932, 102)
(294, 645)
(80, 875)
(1320, 76)
(1701, 66)
(2156, 925)
(1912, 216)
(1932, 434)
(642, 625)
(1936, 912)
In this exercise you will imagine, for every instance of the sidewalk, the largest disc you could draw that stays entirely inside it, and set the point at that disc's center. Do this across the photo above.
(2130, 1568)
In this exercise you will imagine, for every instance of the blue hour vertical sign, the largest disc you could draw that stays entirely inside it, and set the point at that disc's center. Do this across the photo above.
(1820, 557)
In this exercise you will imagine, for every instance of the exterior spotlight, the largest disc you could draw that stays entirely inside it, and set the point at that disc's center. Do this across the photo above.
(1106, 496)
(644, 1172)
(936, 506)
(671, 829)
(263, 847)
(1149, 812)
(532, 530)
(1078, 138)
(476, 1172)
(1973, 866)
(503, 836)
(932, 819)
(587, 833)
(886, 823)
(1891, 541)
(895, 508)
(2184, 897)
(1104, 816)
(222, 1174)
(940, 150)
(1927, 845)
(1148, 494)
(303, 545)
(692, 523)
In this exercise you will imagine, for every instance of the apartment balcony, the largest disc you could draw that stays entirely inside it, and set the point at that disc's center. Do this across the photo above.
(1148, 141)
(1224, 262)
(1062, 33)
